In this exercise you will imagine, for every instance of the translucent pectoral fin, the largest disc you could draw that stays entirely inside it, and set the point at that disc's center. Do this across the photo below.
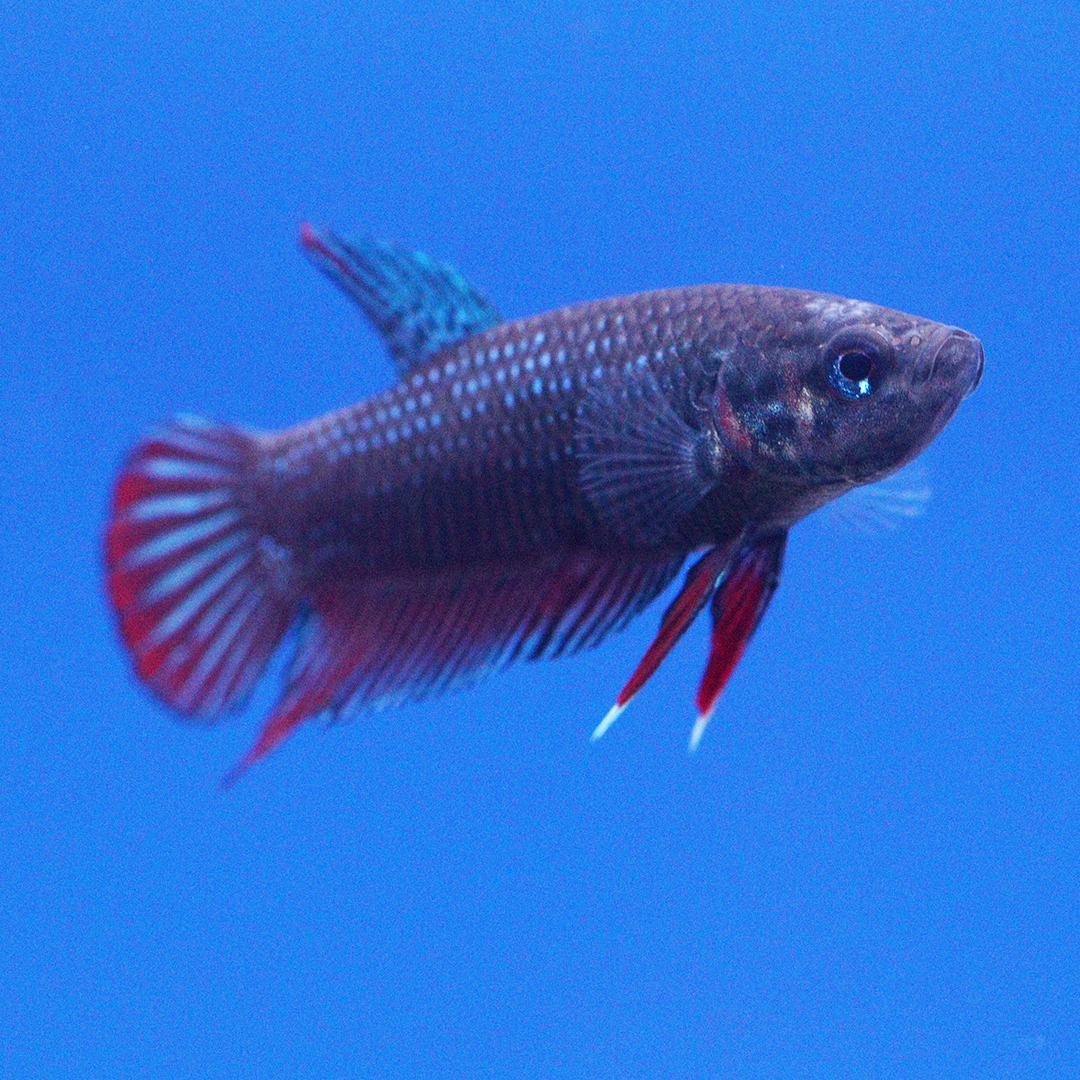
(643, 466)
(887, 504)
(737, 608)
(700, 582)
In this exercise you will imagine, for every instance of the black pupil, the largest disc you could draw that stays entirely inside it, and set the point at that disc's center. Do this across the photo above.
(855, 366)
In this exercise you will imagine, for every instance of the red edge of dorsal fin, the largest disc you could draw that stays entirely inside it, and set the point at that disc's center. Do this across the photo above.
(318, 250)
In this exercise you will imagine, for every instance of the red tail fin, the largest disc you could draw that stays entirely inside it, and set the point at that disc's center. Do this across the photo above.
(201, 601)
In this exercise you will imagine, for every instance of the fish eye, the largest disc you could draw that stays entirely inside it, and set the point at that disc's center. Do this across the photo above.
(857, 359)
(851, 372)
(854, 366)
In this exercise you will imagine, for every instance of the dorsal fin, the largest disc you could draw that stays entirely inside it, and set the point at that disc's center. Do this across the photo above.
(418, 305)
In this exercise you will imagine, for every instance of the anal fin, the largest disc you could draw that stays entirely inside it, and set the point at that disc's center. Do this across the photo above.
(373, 642)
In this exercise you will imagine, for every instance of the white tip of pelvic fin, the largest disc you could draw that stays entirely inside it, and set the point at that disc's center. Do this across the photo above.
(613, 714)
(699, 730)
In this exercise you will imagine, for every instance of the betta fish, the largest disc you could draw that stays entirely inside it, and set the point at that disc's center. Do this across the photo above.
(525, 489)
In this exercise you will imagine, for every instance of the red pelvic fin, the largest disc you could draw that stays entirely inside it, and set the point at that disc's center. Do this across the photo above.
(700, 582)
(737, 608)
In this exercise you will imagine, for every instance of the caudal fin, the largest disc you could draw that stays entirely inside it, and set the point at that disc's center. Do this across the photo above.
(201, 603)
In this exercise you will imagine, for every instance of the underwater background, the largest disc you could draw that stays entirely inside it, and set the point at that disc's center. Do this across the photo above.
(869, 868)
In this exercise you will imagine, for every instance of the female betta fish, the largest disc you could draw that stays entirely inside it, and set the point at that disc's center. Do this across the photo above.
(524, 490)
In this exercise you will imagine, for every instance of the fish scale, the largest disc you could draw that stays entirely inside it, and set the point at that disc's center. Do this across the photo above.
(525, 489)
(487, 429)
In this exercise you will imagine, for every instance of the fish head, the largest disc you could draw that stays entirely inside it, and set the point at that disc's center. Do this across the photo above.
(826, 394)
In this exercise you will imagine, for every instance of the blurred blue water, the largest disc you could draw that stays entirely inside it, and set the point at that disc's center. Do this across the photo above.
(869, 867)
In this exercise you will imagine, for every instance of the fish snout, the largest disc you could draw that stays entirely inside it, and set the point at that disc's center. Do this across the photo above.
(952, 356)
(978, 361)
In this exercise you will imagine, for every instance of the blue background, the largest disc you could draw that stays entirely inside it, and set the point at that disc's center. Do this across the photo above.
(869, 869)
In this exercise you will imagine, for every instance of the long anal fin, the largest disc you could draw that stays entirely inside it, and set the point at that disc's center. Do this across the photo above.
(700, 582)
(368, 643)
(737, 608)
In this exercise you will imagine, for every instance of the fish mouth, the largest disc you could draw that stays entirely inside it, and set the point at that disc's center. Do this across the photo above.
(951, 355)
(977, 378)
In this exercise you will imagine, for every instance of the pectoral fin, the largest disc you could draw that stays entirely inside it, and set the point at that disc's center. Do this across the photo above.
(644, 467)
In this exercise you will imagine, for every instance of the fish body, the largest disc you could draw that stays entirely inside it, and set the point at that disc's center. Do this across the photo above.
(525, 488)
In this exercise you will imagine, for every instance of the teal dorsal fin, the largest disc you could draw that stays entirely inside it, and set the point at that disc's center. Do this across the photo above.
(418, 305)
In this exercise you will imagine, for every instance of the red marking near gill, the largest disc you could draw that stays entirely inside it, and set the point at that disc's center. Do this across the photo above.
(730, 428)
